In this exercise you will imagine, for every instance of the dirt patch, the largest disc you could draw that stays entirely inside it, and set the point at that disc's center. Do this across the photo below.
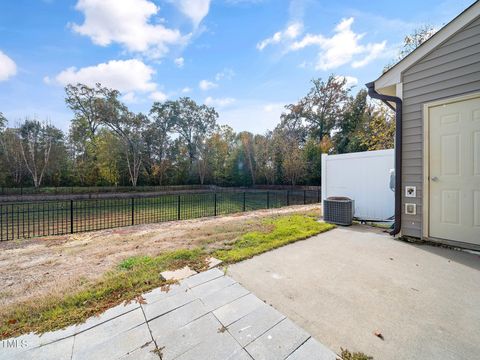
(39, 267)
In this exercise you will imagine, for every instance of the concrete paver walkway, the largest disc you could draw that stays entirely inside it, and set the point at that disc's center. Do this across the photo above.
(207, 316)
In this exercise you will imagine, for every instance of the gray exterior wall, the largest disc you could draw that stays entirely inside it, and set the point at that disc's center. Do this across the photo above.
(452, 69)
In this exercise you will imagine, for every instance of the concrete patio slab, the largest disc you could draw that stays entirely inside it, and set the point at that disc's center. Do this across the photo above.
(255, 324)
(203, 277)
(312, 350)
(61, 350)
(191, 335)
(164, 325)
(237, 309)
(109, 329)
(163, 293)
(278, 342)
(195, 345)
(111, 348)
(145, 352)
(163, 306)
(211, 287)
(346, 284)
(224, 296)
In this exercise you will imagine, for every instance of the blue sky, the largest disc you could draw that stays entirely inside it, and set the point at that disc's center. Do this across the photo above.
(247, 58)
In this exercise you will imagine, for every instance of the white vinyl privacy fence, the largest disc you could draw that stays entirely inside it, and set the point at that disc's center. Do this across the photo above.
(366, 177)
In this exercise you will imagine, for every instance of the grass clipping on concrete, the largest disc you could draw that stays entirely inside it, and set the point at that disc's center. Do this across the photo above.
(136, 275)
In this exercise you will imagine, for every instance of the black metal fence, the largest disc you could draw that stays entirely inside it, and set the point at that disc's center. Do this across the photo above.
(23, 220)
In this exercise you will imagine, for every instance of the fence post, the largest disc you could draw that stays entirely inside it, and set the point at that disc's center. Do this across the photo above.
(244, 196)
(288, 198)
(215, 204)
(268, 199)
(133, 211)
(178, 207)
(304, 197)
(71, 217)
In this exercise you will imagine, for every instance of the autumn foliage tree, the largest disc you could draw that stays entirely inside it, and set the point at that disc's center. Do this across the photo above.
(180, 142)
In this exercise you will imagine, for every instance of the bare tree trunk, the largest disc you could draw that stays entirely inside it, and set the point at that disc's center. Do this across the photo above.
(33, 167)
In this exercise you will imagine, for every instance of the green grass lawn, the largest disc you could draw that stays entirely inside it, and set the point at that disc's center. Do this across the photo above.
(136, 275)
(284, 230)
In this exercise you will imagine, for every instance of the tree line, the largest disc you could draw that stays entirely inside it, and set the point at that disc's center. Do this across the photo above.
(181, 142)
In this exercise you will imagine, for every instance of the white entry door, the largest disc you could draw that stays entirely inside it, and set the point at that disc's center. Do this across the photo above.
(454, 181)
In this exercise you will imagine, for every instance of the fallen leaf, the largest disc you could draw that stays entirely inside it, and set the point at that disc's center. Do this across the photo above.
(222, 329)
(140, 299)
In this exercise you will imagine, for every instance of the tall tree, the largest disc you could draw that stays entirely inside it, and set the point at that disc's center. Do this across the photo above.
(324, 105)
(312, 157)
(354, 115)
(248, 148)
(109, 156)
(265, 158)
(11, 150)
(86, 104)
(36, 144)
(415, 39)
(194, 122)
(411, 42)
(157, 135)
(221, 146)
(293, 164)
(378, 131)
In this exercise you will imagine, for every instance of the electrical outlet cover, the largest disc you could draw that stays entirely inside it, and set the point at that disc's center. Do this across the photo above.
(410, 209)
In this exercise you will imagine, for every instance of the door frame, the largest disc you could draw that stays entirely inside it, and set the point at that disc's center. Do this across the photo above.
(426, 155)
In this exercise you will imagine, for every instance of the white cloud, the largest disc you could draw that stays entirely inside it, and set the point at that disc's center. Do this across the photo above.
(341, 48)
(291, 32)
(196, 10)
(237, 2)
(226, 74)
(277, 108)
(123, 75)
(186, 90)
(349, 80)
(206, 85)
(128, 23)
(220, 102)
(373, 51)
(130, 98)
(179, 62)
(158, 96)
(8, 68)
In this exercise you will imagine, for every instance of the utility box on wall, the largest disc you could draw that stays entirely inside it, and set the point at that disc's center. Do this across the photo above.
(363, 177)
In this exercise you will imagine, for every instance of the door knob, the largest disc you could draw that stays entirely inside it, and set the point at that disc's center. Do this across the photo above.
(434, 178)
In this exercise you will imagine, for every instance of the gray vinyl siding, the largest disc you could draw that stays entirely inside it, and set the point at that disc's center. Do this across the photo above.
(452, 69)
